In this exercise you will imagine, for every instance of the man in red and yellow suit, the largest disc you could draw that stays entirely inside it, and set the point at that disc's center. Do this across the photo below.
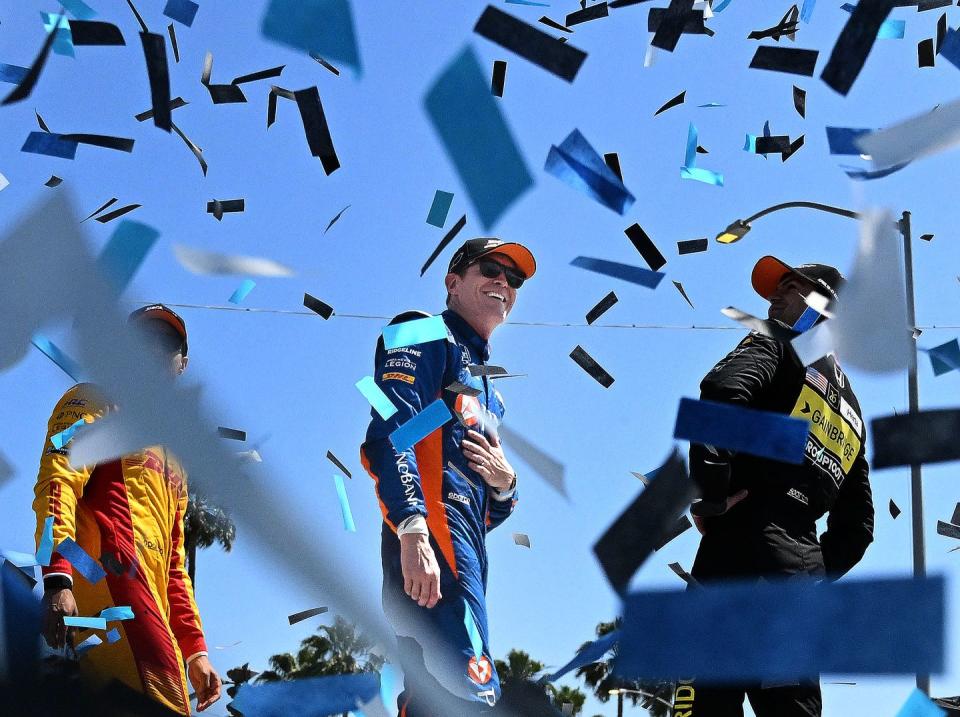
(128, 514)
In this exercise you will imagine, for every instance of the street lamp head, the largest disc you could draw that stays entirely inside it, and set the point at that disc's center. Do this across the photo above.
(614, 691)
(735, 232)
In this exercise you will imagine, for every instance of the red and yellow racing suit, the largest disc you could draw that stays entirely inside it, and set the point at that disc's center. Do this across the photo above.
(127, 514)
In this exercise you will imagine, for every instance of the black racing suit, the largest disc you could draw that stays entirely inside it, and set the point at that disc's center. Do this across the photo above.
(772, 532)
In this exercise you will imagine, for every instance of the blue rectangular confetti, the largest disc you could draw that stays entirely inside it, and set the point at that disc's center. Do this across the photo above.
(59, 440)
(417, 331)
(439, 209)
(120, 612)
(744, 430)
(88, 645)
(627, 272)
(113, 636)
(242, 291)
(45, 549)
(63, 41)
(50, 144)
(321, 26)
(13, 74)
(92, 623)
(919, 705)
(376, 397)
(576, 163)
(79, 9)
(125, 251)
(747, 631)
(689, 170)
(467, 117)
(53, 352)
(945, 357)
(183, 11)
(950, 49)
(345, 511)
(335, 694)
(420, 426)
(841, 139)
(85, 565)
(806, 12)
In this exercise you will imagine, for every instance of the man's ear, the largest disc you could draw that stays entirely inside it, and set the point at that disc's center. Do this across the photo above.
(451, 281)
(184, 360)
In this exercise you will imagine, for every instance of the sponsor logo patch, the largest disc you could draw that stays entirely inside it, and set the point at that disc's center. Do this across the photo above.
(480, 671)
(794, 493)
(459, 498)
(397, 376)
(828, 429)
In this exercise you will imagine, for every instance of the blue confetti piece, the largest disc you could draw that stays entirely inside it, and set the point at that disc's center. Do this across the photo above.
(889, 30)
(439, 209)
(308, 696)
(747, 631)
(87, 645)
(807, 319)
(20, 617)
(702, 175)
(92, 623)
(183, 11)
(743, 430)
(592, 652)
(711, 105)
(478, 142)
(113, 636)
(13, 74)
(390, 679)
(919, 705)
(120, 612)
(45, 549)
(528, 2)
(79, 9)
(376, 397)
(690, 152)
(21, 560)
(321, 26)
(627, 272)
(53, 352)
(950, 49)
(241, 292)
(750, 144)
(945, 357)
(348, 523)
(50, 144)
(81, 561)
(721, 6)
(125, 251)
(473, 632)
(576, 163)
(806, 12)
(63, 42)
(59, 440)
(417, 331)
(862, 175)
(842, 139)
(421, 425)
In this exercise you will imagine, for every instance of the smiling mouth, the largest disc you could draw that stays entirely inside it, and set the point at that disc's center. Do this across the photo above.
(495, 295)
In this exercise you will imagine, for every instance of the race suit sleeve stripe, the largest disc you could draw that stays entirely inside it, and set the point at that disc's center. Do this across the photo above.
(411, 377)
(430, 460)
(184, 616)
(60, 485)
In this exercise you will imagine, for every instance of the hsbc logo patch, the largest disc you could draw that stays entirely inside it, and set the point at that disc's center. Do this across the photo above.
(480, 671)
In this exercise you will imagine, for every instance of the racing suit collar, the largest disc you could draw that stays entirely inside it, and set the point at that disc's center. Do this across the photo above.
(465, 331)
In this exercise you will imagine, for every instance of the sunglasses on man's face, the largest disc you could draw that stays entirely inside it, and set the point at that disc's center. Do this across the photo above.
(490, 269)
(164, 342)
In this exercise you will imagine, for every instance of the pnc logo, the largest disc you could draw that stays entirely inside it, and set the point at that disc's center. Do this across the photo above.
(480, 671)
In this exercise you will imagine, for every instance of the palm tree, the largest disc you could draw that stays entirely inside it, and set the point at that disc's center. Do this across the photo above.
(657, 694)
(568, 695)
(203, 525)
(339, 649)
(519, 667)
(236, 678)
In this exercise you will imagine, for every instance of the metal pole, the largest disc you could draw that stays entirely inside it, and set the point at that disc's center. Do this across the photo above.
(620, 703)
(913, 389)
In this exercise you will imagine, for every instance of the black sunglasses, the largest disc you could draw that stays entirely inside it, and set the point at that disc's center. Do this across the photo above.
(490, 269)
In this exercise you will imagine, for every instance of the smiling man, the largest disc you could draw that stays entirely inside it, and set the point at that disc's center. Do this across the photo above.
(440, 497)
(758, 516)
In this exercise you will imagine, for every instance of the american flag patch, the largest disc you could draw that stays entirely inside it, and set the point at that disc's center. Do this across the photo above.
(817, 379)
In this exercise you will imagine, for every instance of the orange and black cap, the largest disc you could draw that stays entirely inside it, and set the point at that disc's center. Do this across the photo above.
(159, 312)
(474, 249)
(770, 271)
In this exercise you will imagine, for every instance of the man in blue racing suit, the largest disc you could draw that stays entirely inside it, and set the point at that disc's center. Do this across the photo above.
(440, 497)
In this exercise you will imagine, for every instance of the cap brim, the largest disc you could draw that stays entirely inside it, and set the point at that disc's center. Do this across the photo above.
(520, 255)
(166, 317)
(767, 274)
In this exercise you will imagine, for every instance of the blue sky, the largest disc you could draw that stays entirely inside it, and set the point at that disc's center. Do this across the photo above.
(290, 378)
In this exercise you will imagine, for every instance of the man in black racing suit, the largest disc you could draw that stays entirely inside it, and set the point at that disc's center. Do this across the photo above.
(758, 516)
